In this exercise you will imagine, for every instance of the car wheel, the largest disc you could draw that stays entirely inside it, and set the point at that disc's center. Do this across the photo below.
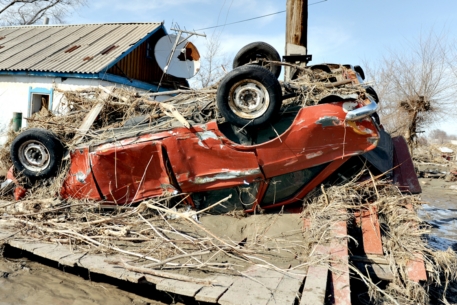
(37, 153)
(249, 95)
(257, 51)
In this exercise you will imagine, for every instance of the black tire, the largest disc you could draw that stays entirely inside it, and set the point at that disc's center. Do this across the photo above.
(257, 51)
(37, 154)
(249, 96)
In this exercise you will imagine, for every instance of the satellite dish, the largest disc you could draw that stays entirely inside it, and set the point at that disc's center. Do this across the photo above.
(185, 61)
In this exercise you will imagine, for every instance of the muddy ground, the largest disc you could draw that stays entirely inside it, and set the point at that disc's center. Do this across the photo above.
(29, 280)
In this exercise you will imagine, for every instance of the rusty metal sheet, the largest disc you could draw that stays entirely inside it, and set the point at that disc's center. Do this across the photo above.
(201, 162)
(80, 182)
(318, 135)
(130, 173)
(42, 48)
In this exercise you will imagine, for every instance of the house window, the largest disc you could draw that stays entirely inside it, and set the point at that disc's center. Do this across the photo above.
(38, 102)
(149, 50)
(39, 98)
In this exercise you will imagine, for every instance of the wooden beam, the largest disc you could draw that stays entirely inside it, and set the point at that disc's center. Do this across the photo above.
(87, 122)
(340, 264)
(371, 232)
(297, 27)
(315, 289)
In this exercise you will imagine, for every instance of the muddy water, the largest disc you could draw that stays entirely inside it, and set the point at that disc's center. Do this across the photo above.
(440, 212)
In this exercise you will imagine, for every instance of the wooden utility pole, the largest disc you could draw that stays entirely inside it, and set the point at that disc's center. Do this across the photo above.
(296, 29)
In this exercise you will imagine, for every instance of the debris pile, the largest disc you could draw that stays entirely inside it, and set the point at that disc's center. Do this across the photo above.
(402, 238)
(436, 161)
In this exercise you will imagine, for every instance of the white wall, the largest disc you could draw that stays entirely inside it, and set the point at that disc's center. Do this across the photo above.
(14, 94)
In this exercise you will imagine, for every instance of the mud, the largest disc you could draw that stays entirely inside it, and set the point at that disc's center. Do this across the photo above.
(23, 281)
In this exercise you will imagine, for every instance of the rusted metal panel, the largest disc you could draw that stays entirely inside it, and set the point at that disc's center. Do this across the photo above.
(130, 173)
(201, 161)
(80, 182)
(404, 173)
(318, 135)
(42, 48)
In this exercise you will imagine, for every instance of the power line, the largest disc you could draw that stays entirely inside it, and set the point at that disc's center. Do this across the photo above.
(217, 26)
(258, 17)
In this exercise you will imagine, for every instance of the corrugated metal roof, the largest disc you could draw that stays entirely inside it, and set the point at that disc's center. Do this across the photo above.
(68, 48)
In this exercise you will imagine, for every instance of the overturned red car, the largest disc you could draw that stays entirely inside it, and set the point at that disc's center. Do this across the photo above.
(275, 161)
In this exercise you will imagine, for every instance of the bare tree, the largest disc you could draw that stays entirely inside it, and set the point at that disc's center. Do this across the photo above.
(23, 12)
(438, 136)
(416, 86)
(214, 64)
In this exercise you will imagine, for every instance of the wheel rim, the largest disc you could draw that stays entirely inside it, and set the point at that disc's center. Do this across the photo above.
(34, 156)
(249, 99)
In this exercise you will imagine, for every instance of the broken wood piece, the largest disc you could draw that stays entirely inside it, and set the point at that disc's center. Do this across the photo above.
(337, 84)
(87, 123)
(170, 110)
(171, 92)
(111, 93)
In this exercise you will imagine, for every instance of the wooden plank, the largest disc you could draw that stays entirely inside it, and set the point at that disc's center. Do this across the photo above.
(4, 236)
(212, 294)
(26, 245)
(287, 290)
(415, 268)
(89, 120)
(256, 287)
(371, 232)
(383, 272)
(153, 279)
(340, 265)
(314, 291)
(98, 264)
(71, 260)
(53, 252)
(179, 287)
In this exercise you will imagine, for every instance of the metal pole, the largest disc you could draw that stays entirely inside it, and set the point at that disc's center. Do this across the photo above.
(17, 121)
(296, 29)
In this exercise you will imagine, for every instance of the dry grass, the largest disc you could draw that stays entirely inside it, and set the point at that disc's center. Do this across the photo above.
(402, 238)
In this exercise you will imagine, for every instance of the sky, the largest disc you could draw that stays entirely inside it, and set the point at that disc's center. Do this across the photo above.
(339, 31)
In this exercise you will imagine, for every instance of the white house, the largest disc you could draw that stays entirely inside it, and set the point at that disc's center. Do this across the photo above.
(37, 60)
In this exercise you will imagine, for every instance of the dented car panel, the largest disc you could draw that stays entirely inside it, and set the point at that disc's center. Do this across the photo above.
(80, 182)
(318, 135)
(130, 173)
(206, 163)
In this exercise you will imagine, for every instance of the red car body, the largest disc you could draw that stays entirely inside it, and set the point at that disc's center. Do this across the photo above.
(203, 159)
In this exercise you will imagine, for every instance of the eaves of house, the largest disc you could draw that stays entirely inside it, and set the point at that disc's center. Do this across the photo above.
(115, 52)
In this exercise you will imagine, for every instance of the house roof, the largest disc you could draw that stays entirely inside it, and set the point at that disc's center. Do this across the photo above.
(85, 48)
